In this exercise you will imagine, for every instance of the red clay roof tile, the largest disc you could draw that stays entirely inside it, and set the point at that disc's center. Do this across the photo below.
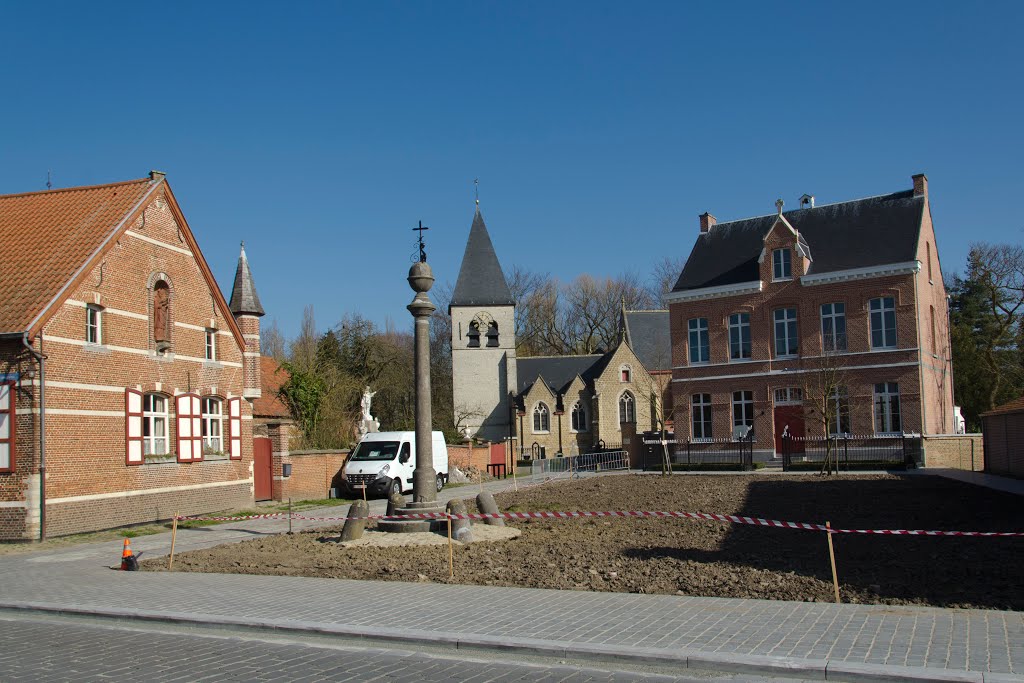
(272, 378)
(48, 236)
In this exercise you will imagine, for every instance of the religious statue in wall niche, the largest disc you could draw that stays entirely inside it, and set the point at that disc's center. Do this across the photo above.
(367, 423)
(161, 312)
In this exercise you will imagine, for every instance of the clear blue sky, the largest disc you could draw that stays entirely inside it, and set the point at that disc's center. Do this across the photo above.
(320, 133)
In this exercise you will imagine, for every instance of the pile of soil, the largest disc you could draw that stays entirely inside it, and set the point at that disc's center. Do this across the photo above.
(685, 557)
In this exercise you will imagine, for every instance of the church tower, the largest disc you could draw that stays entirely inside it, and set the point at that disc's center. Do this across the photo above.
(483, 340)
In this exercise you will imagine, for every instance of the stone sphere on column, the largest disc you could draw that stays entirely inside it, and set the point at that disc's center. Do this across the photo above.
(421, 278)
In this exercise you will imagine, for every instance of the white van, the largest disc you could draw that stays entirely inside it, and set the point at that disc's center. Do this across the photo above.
(383, 463)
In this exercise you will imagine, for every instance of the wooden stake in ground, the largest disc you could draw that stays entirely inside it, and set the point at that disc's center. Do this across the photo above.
(451, 551)
(832, 559)
(174, 536)
(480, 478)
(289, 515)
(364, 493)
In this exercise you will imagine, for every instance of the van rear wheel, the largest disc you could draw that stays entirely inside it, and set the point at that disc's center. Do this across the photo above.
(440, 482)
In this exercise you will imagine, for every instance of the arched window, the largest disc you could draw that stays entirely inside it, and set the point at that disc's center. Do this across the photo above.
(154, 424)
(579, 418)
(492, 334)
(213, 415)
(541, 418)
(627, 407)
(161, 313)
(474, 335)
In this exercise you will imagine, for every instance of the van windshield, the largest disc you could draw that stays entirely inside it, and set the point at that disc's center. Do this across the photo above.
(375, 450)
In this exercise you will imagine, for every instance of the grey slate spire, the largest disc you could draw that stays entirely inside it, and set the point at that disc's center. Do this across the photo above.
(244, 300)
(481, 282)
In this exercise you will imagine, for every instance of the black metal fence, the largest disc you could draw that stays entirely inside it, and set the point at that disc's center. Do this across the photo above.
(717, 454)
(849, 451)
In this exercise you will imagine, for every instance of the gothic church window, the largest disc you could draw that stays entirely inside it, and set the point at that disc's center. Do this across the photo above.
(627, 407)
(541, 418)
(579, 418)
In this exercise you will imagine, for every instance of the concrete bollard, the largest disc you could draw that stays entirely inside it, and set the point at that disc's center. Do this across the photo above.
(356, 523)
(396, 501)
(485, 501)
(462, 529)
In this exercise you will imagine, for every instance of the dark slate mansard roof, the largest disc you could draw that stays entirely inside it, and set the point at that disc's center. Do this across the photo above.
(855, 234)
(244, 299)
(481, 282)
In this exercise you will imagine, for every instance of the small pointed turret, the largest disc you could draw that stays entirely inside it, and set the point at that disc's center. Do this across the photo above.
(244, 300)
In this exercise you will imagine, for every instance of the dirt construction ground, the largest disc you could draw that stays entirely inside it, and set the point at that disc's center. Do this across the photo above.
(685, 557)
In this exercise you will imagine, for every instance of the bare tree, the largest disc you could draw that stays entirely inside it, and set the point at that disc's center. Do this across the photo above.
(272, 342)
(998, 270)
(302, 350)
(826, 390)
(664, 276)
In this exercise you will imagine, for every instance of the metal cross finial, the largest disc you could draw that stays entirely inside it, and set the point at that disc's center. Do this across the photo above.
(423, 253)
(476, 190)
(49, 185)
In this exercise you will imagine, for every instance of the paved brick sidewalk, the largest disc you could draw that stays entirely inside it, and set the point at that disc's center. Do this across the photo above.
(808, 639)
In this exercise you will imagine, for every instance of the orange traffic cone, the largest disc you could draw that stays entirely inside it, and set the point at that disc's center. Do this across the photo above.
(128, 561)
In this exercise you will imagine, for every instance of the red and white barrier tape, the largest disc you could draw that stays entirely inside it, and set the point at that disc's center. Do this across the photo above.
(706, 516)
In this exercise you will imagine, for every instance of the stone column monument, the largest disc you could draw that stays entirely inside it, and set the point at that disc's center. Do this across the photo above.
(424, 487)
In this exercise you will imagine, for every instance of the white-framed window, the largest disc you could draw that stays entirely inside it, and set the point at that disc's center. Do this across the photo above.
(782, 264)
(700, 346)
(579, 417)
(213, 425)
(742, 414)
(93, 324)
(7, 429)
(788, 395)
(887, 408)
(700, 408)
(627, 407)
(211, 344)
(625, 373)
(154, 425)
(786, 342)
(883, 322)
(833, 326)
(739, 336)
(838, 414)
(541, 419)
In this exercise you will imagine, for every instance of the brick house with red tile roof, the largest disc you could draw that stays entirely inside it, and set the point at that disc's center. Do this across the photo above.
(126, 378)
(764, 304)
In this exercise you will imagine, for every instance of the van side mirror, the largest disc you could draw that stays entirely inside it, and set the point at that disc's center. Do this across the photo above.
(403, 457)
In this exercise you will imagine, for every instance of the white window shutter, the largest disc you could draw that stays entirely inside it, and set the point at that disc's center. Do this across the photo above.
(133, 427)
(183, 410)
(197, 429)
(235, 427)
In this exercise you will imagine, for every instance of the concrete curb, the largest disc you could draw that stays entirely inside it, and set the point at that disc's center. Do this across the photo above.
(790, 667)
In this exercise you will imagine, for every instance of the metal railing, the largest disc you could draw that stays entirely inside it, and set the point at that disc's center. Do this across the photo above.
(584, 462)
(735, 454)
(851, 451)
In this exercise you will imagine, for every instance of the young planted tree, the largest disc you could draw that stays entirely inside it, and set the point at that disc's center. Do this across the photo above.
(825, 391)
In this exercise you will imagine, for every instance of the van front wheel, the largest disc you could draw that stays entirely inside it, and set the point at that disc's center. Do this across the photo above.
(440, 482)
(396, 487)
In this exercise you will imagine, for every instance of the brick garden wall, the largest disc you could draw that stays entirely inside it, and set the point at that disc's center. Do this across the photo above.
(313, 474)
(956, 451)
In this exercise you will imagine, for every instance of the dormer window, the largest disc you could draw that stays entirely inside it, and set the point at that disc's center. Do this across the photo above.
(782, 264)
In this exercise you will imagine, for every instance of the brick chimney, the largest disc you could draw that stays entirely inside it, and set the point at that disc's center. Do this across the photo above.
(920, 185)
(706, 221)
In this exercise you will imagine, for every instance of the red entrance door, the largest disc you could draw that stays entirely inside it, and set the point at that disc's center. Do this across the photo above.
(262, 472)
(791, 416)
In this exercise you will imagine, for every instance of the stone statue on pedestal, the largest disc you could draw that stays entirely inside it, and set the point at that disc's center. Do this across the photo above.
(367, 423)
